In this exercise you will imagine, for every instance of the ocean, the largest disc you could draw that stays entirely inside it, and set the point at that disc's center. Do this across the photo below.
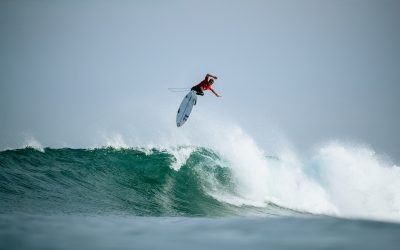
(191, 197)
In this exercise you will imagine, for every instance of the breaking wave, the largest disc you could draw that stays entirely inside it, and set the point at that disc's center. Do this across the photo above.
(233, 178)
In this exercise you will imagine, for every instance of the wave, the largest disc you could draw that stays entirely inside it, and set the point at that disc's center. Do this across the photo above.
(147, 182)
(231, 176)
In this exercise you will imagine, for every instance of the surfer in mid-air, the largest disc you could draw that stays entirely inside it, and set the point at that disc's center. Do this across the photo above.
(191, 98)
(205, 85)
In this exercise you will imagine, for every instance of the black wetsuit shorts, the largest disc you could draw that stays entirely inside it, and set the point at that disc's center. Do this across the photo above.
(198, 90)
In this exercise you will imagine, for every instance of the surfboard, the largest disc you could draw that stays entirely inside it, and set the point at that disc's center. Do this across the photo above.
(185, 108)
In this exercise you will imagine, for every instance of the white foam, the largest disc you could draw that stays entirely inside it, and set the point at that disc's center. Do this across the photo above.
(259, 180)
(359, 182)
(115, 141)
(31, 142)
(340, 179)
(350, 180)
(181, 155)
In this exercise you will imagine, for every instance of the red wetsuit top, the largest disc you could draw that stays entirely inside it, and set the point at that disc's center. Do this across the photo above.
(204, 84)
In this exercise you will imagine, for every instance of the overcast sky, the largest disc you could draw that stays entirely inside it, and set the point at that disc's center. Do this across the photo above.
(313, 70)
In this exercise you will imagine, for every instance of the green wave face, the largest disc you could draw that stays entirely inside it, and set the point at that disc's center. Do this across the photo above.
(123, 181)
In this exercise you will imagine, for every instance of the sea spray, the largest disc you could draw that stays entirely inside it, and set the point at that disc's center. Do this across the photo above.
(359, 182)
(260, 180)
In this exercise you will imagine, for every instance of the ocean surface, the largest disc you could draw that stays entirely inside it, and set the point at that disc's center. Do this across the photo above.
(189, 197)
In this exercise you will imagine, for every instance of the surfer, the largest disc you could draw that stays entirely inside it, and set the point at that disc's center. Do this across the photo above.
(205, 85)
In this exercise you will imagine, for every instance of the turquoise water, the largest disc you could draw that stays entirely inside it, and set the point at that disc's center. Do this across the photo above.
(187, 197)
(111, 181)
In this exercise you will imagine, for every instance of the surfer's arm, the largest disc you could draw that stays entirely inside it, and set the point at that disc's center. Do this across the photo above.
(215, 93)
(209, 75)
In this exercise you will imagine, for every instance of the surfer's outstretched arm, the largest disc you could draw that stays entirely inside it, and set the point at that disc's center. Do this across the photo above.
(215, 93)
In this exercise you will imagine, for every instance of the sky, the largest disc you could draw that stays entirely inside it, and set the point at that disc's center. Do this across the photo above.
(311, 70)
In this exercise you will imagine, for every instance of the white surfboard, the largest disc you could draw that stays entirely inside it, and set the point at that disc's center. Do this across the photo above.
(185, 108)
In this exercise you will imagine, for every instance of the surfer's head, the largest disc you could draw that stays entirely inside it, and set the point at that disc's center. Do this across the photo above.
(211, 81)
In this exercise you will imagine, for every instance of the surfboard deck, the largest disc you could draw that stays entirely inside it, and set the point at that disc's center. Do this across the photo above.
(185, 108)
